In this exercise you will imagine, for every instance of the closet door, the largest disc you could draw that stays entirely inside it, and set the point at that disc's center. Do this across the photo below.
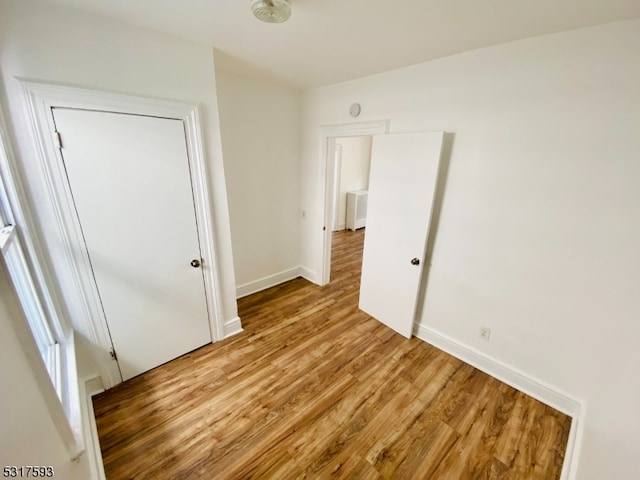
(129, 177)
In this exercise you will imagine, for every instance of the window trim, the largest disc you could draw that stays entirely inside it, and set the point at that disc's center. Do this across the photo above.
(16, 261)
(55, 372)
(61, 398)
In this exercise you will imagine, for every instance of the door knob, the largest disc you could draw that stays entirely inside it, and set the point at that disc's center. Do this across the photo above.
(195, 263)
(415, 261)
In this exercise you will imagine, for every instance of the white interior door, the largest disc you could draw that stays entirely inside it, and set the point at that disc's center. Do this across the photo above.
(129, 176)
(402, 182)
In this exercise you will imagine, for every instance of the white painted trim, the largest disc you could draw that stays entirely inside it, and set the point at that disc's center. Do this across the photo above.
(308, 275)
(355, 129)
(40, 98)
(376, 127)
(90, 386)
(267, 282)
(232, 327)
(71, 439)
(337, 181)
(360, 223)
(520, 381)
(574, 445)
(17, 213)
(509, 375)
(71, 399)
(204, 219)
(65, 409)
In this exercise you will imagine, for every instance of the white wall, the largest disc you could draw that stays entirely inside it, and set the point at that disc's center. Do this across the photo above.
(28, 436)
(260, 125)
(538, 235)
(356, 159)
(45, 42)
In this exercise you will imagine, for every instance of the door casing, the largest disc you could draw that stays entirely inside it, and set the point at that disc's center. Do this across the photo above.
(337, 175)
(40, 98)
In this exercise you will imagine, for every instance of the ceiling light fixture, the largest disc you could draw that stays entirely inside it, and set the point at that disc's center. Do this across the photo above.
(271, 11)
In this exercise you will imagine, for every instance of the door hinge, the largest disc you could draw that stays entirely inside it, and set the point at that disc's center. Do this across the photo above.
(113, 354)
(57, 139)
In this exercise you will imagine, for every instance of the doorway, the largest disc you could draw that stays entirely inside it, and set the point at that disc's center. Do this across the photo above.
(404, 175)
(351, 165)
(328, 135)
(72, 258)
(352, 161)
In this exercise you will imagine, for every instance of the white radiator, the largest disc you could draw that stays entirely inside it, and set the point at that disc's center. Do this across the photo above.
(356, 209)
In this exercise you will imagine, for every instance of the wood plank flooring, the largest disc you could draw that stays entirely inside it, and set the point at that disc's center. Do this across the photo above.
(314, 389)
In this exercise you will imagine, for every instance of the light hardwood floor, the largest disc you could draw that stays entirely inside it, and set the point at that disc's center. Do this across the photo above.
(315, 388)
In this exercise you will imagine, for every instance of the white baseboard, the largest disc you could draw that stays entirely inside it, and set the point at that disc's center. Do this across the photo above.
(360, 223)
(517, 379)
(574, 446)
(267, 282)
(309, 275)
(520, 381)
(90, 386)
(232, 327)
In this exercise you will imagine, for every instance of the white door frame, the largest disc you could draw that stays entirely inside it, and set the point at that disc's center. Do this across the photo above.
(376, 127)
(337, 176)
(41, 98)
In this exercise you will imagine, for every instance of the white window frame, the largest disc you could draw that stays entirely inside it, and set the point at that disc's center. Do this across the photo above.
(18, 268)
(47, 341)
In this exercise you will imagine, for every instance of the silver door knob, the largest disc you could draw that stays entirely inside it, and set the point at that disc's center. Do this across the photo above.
(195, 263)
(415, 261)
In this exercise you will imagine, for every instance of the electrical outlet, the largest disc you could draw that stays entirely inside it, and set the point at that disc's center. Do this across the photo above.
(485, 333)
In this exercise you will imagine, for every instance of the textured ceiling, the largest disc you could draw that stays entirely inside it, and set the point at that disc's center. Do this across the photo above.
(330, 41)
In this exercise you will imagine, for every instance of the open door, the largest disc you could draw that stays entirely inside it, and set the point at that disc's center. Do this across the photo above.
(402, 184)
